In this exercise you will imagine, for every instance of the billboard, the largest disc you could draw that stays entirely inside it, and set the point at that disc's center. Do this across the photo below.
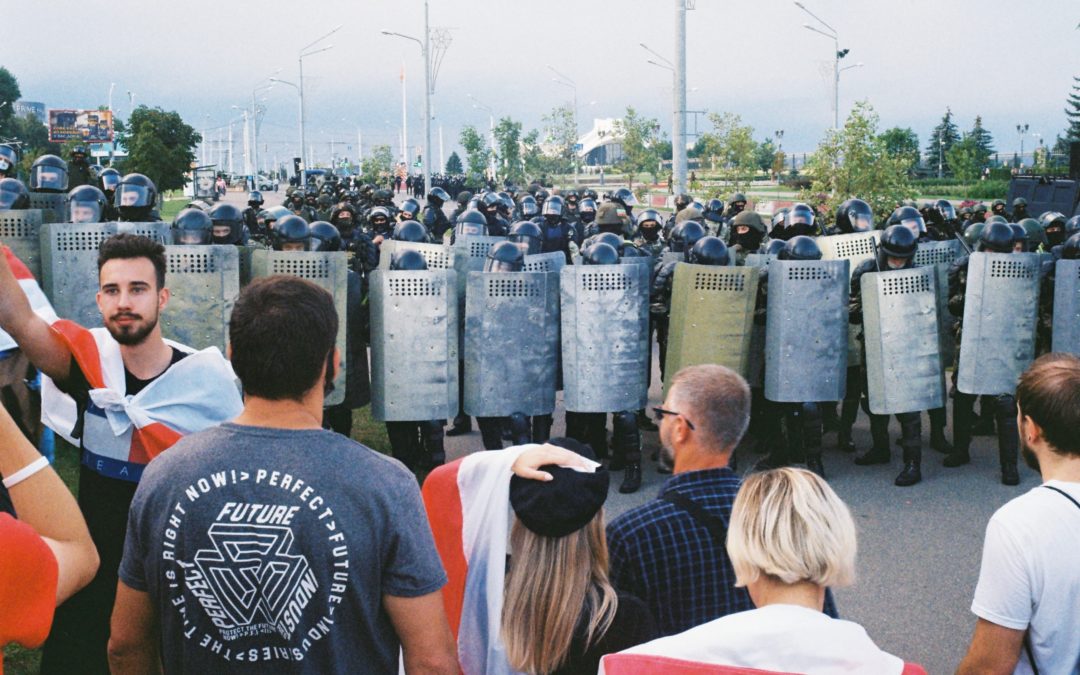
(91, 126)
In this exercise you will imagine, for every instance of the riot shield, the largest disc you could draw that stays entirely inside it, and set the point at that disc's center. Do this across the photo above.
(938, 252)
(21, 232)
(671, 256)
(511, 342)
(904, 371)
(806, 330)
(69, 272)
(326, 269)
(712, 316)
(414, 345)
(54, 204)
(1067, 307)
(605, 337)
(436, 256)
(545, 262)
(203, 283)
(1001, 308)
(855, 247)
(760, 260)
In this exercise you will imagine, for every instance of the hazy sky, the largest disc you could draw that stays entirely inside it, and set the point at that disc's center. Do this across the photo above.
(1009, 61)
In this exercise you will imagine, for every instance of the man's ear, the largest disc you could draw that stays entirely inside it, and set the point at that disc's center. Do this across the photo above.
(1033, 433)
(163, 298)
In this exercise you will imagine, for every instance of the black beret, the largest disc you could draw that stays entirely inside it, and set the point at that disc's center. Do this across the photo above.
(567, 502)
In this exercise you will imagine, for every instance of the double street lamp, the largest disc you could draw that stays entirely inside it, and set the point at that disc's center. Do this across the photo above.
(838, 54)
(425, 51)
(567, 82)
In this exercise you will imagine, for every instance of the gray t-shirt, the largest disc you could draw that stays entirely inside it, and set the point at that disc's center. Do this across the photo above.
(269, 550)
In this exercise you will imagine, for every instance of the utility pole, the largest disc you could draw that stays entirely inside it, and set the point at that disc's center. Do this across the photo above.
(678, 132)
(427, 101)
(404, 122)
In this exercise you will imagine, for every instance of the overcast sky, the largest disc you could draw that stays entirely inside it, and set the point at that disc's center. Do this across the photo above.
(1009, 61)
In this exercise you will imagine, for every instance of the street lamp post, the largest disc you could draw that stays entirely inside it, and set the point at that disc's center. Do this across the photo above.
(837, 55)
(1021, 130)
(678, 89)
(425, 51)
(567, 82)
(305, 52)
(300, 93)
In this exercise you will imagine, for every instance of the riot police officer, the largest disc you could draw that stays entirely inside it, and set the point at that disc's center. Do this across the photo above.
(747, 233)
(714, 219)
(79, 168)
(470, 223)
(591, 427)
(415, 443)
(463, 199)
(996, 238)
(1019, 211)
(251, 213)
(192, 227)
(793, 432)
(228, 225)
(49, 174)
(528, 236)
(433, 217)
(681, 201)
(683, 238)
(896, 252)
(735, 206)
(647, 237)
(625, 198)
(497, 226)
(13, 195)
(291, 233)
(853, 215)
(299, 207)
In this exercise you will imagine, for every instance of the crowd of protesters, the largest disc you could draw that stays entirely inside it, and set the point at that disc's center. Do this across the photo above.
(263, 543)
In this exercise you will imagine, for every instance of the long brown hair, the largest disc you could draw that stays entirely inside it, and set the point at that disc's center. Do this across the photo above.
(552, 585)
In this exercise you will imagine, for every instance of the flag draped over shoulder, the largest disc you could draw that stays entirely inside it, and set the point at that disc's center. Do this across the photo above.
(122, 433)
(38, 302)
(468, 505)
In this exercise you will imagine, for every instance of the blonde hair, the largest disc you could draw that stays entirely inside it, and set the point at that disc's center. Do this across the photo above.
(789, 524)
(553, 585)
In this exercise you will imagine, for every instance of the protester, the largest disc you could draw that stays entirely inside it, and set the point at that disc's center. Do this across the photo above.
(557, 612)
(1029, 585)
(670, 552)
(270, 539)
(790, 538)
(123, 395)
(45, 556)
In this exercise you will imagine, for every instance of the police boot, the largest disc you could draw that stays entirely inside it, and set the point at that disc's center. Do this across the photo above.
(1008, 440)
(404, 443)
(983, 425)
(462, 425)
(911, 441)
(937, 431)
(810, 431)
(597, 439)
(830, 421)
(491, 429)
(520, 432)
(963, 416)
(879, 453)
(432, 432)
(541, 428)
(626, 442)
(644, 423)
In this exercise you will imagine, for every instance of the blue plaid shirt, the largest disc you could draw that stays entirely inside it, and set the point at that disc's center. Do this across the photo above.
(659, 553)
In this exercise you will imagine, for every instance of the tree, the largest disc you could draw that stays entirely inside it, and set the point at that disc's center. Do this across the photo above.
(9, 93)
(732, 149)
(984, 142)
(855, 162)
(1072, 112)
(965, 160)
(560, 135)
(536, 164)
(765, 155)
(160, 145)
(33, 137)
(453, 164)
(640, 136)
(942, 138)
(476, 152)
(902, 142)
(375, 168)
(508, 138)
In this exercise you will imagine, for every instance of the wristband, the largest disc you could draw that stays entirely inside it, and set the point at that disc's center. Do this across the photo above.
(25, 472)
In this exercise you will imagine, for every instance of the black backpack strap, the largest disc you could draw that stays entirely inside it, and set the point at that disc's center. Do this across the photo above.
(1064, 494)
(714, 524)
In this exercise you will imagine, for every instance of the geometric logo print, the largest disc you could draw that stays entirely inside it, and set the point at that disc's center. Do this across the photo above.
(250, 571)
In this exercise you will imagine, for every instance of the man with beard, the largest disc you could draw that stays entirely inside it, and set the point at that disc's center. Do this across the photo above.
(1029, 583)
(97, 396)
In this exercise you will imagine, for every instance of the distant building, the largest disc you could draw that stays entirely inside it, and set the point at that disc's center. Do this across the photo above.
(601, 145)
(35, 108)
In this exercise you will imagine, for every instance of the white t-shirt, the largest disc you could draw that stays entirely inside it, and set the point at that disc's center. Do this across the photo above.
(1030, 575)
(784, 638)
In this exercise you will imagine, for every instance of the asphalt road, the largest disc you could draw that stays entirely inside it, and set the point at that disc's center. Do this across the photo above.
(919, 547)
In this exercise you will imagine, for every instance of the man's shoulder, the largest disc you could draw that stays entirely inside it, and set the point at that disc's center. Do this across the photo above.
(642, 520)
(1035, 505)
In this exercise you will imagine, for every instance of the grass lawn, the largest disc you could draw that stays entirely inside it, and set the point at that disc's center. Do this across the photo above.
(19, 661)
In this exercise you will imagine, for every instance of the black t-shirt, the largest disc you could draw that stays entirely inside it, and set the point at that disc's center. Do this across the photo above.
(77, 387)
(633, 625)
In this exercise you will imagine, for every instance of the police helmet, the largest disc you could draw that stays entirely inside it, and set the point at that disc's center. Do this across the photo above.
(8, 159)
(624, 196)
(779, 221)
(527, 235)
(193, 227)
(553, 206)
(292, 229)
(854, 215)
(407, 260)
(610, 238)
(708, 251)
(1036, 235)
(600, 253)
(410, 230)
(1020, 236)
(682, 201)
(587, 210)
(909, 217)
(135, 195)
(801, 218)
(86, 204)
(898, 241)
(228, 224)
(438, 196)
(946, 210)
(48, 173)
(464, 197)
(775, 246)
(685, 235)
(325, 237)
(714, 210)
(1070, 250)
(472, 222)
(410, 208)
(504, 256)
(255, 199)
(996, 238)
(800, 247)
